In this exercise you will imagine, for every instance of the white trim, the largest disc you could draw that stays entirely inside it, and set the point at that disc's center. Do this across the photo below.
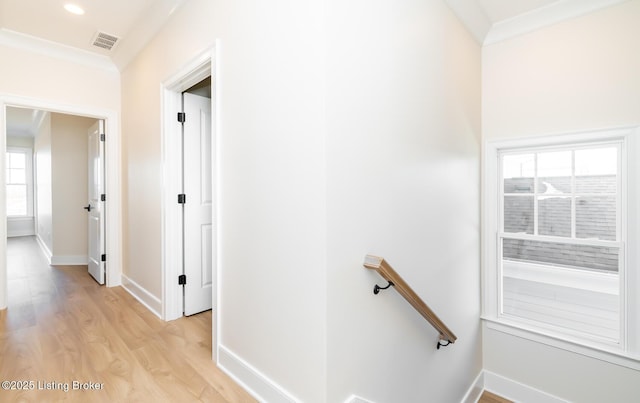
(491, 303)
(252, 380)
(357, 399)
(516, 391)
(44, 248)
(113, 175)
(29, 182)
(191, 73)
(62, 260)
(507, 388)
(475, 390)
(56, 50)
(578, 346)
(544, 16)
(143, 296)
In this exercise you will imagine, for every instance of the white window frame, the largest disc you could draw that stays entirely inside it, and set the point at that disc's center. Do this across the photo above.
(627, 351)
(28, 152)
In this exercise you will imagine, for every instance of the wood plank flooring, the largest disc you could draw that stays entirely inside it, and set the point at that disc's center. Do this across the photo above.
(488, 397)
(61, 327)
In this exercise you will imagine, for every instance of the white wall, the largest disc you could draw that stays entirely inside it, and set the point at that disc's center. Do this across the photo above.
(403, 111)
(43, 184)
(581, 74)
(272, 239)
(32, 75)
(69, 169)
(35, 75)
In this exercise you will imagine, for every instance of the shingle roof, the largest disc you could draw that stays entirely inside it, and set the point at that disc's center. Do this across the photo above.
(595, 218)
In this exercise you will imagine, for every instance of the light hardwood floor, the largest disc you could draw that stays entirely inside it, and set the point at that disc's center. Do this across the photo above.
(61, 327)
(488, 397)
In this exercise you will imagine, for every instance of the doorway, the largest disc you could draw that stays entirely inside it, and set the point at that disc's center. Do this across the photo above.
(192, 74)
(112, 185)
(197, 199)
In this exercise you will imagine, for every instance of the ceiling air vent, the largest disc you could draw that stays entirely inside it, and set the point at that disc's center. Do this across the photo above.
(104, 41)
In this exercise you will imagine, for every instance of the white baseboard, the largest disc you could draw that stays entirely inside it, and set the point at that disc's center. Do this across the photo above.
(142, 295)
(475, 390)
(507, 388)
(252, 380)
(58, 260)
(357, 399)
(44, 248)
(14, 233)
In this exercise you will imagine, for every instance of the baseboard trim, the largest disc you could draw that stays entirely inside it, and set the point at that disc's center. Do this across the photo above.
(475, 390)
(357, 399)
(71, 260)
(507, 388)
(252, 380)
(143, 296)
(516, 391)
(44, 248)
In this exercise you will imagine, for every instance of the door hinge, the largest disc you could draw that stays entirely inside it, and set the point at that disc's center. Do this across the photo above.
(182, 117)
(103, 137)
(182, 198)
(103, 258)
(182, 279)
(103, 197)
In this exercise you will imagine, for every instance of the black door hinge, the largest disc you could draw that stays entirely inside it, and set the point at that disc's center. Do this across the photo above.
(182, 117)
(182, 198)
(103, 197)
(103, 137)
(182, 279)
(103, 258)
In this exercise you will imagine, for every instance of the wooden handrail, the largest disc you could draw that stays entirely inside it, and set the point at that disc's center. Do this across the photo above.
(384, 269)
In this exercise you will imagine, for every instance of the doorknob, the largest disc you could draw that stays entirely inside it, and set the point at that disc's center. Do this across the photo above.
(88, 208)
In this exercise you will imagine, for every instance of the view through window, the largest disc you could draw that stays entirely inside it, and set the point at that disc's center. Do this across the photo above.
(560, 238)
(17, 184)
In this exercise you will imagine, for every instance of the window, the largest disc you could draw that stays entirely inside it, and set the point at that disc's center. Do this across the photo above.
(556, 227)
(560, 241)
(19, 182)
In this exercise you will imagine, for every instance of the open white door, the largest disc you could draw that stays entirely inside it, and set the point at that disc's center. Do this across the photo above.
(96, 204)
(198, 212)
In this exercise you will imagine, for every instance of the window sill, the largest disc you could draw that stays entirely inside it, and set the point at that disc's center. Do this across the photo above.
(611, 355)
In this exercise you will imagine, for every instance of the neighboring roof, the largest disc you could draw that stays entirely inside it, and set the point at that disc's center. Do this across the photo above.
(595, 219)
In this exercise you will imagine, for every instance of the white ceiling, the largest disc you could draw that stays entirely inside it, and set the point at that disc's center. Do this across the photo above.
(22, 122)
(37, 24)
(45, 26)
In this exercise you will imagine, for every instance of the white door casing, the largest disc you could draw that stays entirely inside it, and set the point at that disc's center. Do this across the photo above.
(95, 206)
(198, 207)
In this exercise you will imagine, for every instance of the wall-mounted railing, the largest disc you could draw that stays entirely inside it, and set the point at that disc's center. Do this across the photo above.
(384, 269)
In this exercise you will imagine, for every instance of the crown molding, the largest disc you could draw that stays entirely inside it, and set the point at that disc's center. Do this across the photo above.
(473, 17)
(53, 49)
(544, 16)
(144, 31)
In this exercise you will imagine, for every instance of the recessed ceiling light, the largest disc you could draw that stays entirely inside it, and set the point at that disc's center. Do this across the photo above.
(72, 8)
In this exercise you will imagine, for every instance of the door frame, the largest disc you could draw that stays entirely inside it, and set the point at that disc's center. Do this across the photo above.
(113, 211)
(191, 73)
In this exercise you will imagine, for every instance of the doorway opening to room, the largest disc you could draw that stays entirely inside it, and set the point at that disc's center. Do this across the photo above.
(189, 193)
(55, 190)
(54, 193)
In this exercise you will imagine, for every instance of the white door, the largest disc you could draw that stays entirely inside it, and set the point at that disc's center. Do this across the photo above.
(96, 205)
(198, 225)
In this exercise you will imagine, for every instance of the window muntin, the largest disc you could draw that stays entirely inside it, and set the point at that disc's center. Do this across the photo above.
(559, 219)
(18, 177)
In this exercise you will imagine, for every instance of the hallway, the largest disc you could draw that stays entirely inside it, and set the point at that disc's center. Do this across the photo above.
(64, 331)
